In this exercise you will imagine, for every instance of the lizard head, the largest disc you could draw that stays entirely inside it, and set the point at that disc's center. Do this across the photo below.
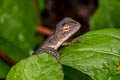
(67, 27)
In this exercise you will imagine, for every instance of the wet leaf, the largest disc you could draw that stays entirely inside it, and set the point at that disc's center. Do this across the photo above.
(96, 54)
(37, 67)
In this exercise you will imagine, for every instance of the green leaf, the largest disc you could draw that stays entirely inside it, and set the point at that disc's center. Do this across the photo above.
(37, 67)
(73, 74)
(18, 23)
(41, 5)
(17, 30)
(107, 15)
(13, 52)
(96, 54)
(116, 77)
(4, 68)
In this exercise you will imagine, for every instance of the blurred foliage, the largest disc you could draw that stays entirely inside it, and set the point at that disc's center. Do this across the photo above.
(4, 68)
(41, 5)
(107, 15)
(13, 52)
(17, 31)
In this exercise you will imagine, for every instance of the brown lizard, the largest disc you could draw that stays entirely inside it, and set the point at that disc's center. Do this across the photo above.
(64, 30)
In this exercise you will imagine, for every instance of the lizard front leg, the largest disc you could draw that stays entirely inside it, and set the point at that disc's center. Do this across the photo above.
(71, 42)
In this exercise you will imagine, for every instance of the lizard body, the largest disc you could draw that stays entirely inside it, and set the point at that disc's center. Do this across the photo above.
(64, 29)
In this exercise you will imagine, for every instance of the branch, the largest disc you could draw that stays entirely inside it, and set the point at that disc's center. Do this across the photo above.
(44, 30)
(7, 58)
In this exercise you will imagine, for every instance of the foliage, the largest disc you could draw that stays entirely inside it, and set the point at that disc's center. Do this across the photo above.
(96, 56)
(17, 31)
(37, 67)
(74, 74)
(107, 15)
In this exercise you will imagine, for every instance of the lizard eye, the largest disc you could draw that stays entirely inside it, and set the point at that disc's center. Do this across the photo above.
(66, 28)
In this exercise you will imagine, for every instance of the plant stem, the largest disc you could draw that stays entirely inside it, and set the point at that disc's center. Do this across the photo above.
(7, 59)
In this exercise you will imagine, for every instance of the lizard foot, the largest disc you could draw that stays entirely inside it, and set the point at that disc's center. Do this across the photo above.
(49, 50)
(69, 43)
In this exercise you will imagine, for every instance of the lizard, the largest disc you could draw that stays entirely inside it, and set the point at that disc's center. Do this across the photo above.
(64, 30)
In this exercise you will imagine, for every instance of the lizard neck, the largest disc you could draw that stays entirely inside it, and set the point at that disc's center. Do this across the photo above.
(54, 42)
